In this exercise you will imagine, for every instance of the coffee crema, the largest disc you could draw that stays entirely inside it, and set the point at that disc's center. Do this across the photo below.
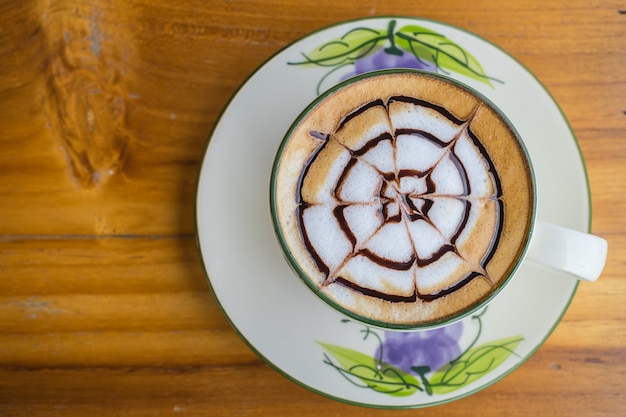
(403, 199)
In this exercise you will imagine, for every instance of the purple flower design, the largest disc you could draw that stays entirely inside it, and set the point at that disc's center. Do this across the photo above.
(432, 348)
(382, 59)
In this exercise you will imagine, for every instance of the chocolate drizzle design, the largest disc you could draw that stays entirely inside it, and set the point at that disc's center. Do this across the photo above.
(403, 196)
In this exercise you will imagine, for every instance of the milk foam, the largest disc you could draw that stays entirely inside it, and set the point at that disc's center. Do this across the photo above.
(326, 236)
(363, 220)
(367, 274)
(411, 116)
(360, 184)
(415, 152)
(381, 156)
(399, 192)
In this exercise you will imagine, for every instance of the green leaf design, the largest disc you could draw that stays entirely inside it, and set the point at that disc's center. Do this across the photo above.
(447, 55)
(364, 371)
(473, 364)
(355, 44)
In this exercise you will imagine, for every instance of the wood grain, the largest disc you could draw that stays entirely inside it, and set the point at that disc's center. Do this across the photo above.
(105, 110)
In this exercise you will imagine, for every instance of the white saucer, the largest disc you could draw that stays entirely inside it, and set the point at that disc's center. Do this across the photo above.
(298, 334)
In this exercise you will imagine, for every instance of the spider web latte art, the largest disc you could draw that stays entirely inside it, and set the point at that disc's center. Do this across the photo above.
(402, 198)
(408, 182)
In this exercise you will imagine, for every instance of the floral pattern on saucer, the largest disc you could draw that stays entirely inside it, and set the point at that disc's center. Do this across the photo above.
(411, 46)
(430, 362)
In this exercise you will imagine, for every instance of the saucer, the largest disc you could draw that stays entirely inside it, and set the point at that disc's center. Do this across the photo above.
(281, 319)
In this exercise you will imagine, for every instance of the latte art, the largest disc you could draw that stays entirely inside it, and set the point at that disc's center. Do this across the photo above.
(404, 183)
(402, 199)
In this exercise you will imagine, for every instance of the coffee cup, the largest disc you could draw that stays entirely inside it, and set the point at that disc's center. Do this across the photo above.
(405, 199)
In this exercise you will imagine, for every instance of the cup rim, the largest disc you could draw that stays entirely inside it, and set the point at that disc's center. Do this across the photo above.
(294, 265)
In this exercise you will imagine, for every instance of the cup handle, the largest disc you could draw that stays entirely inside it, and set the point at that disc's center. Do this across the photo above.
(578, 253)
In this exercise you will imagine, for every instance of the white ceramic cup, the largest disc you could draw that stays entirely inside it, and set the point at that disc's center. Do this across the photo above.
(579, 254)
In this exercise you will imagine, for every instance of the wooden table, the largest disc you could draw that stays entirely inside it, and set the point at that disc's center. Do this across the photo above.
(105, 108)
